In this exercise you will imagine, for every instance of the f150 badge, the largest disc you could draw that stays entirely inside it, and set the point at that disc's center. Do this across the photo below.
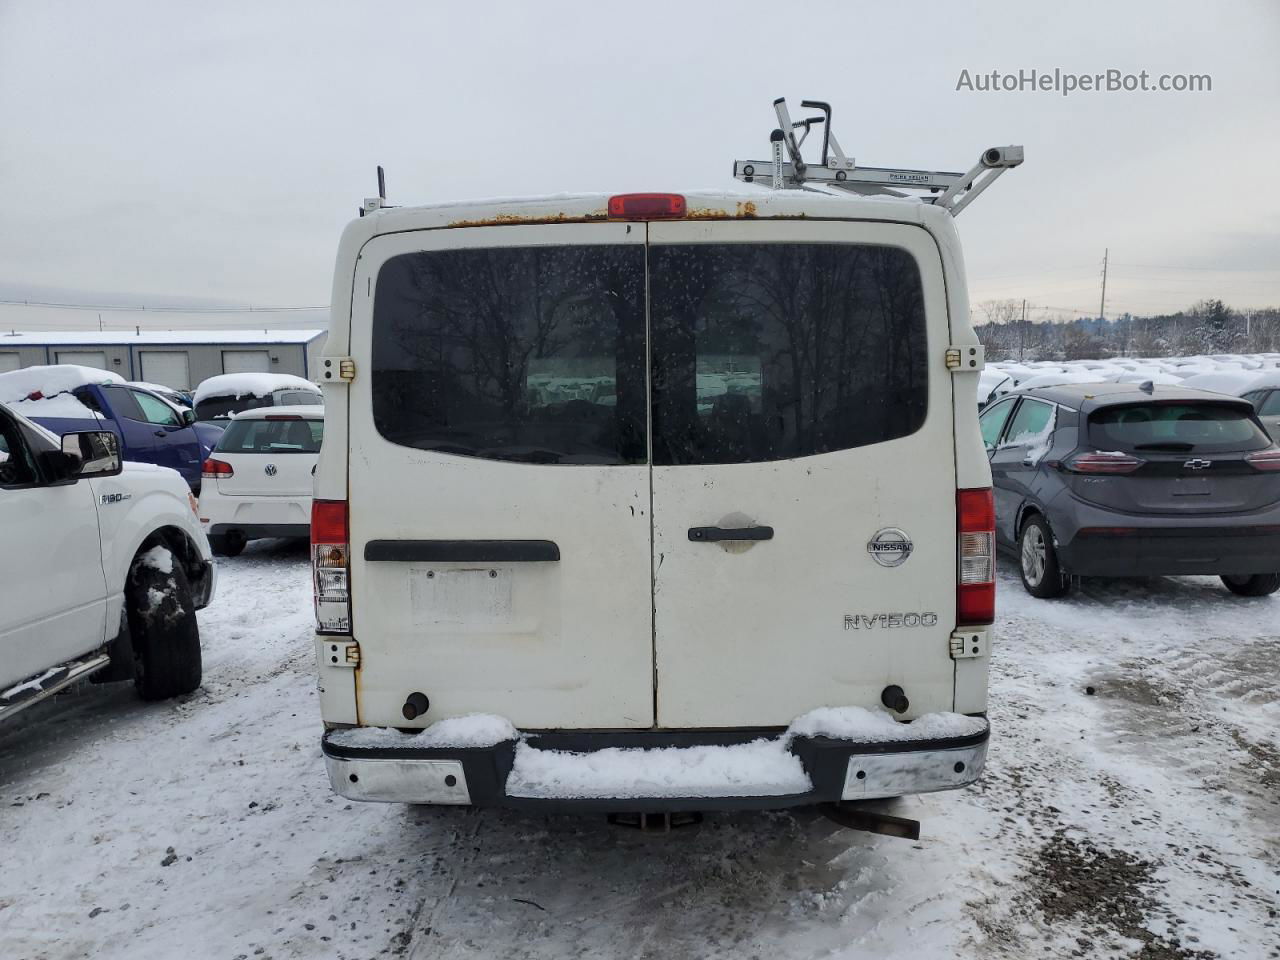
(890, 547)
(115, 497)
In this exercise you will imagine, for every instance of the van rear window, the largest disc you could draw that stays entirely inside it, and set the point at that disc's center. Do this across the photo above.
(534, 354)
(1176, 428)
(759, 351)
(772, 351)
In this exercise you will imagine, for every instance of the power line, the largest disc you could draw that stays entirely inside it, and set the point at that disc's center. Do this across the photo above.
(144, 308)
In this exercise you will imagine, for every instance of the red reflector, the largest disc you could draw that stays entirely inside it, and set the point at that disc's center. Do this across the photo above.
(216, 468)
(646, 206)
(328, 521)
(975, 510)
(975, 603)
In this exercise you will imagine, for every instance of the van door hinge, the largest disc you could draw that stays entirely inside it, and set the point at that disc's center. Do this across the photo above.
(342, 653)
(337, 369)
(967, 644)
(969, 358)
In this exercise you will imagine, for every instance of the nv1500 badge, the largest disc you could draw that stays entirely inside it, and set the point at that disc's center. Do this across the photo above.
(890, 547)
(888, 621)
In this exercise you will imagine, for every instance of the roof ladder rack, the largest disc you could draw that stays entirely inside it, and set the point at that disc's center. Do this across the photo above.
(788, 169)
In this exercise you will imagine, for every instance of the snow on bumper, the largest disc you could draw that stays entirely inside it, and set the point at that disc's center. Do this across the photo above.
(826, 756)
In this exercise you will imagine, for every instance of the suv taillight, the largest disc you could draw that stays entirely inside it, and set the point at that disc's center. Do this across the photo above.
(1103, 462)
(1268, 460)
(330, 566)
(976, 557)
(213, 469)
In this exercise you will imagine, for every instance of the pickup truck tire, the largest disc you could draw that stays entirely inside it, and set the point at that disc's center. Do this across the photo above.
(227, 544)
(1258, 585)
(166, 637)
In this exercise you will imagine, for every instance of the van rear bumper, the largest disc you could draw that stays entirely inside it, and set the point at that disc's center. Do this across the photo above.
(837, 770)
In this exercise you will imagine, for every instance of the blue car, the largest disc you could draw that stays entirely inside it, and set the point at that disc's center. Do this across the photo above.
(150, 428)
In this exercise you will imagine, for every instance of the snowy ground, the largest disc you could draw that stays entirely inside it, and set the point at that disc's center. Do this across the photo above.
(1140, 820)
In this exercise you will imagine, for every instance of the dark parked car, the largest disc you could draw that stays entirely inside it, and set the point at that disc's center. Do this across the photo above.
(1122, 480)
(151, 429)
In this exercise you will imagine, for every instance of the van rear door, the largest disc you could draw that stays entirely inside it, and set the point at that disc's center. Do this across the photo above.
(499, 523)
(804, 471)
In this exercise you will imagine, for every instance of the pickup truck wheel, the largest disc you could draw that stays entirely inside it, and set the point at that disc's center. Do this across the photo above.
(166, 637)
(1041, 574)
(227, 544)
(1257, 585)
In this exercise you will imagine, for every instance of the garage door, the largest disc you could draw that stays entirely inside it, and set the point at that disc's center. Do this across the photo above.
(246, 361)
(85, 358)
(167, 368)
(9, 361)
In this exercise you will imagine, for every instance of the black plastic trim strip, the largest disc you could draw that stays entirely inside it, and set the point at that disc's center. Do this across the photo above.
(462, 551)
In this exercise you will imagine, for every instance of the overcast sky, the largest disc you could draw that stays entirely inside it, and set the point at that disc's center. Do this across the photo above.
(194, 153)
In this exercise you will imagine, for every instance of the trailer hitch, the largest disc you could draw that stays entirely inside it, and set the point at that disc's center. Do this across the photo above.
(872, 821)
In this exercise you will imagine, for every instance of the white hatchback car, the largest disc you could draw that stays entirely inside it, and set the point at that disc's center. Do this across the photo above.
(257, 480)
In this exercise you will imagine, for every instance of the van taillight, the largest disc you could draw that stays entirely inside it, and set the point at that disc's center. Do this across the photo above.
(213, 469)
(330, 565)
(976, 557)
(646, 206)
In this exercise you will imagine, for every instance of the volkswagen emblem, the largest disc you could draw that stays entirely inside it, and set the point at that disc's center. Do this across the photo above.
(1197, 464)
(269, 469)
(890, 547)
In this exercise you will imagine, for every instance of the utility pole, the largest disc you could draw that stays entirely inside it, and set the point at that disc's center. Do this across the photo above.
(1022, 330)
(1102, 308)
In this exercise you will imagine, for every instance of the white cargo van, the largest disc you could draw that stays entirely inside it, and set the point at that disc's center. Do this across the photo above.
(652, 502)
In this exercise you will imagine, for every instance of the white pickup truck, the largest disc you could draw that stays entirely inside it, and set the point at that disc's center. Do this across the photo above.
(103, 568)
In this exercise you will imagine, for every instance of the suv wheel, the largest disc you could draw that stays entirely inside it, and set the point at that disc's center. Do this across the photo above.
(1038, 560)
(162, 625)
(1256, 585)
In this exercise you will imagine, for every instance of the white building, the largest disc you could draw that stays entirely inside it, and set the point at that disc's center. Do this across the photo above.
(174, 358)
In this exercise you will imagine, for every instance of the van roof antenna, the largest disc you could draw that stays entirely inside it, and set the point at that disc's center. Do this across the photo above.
(949, 190)
(380, 201)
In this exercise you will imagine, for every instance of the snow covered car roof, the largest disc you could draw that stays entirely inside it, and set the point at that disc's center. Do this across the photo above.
(250, 385)
(301, 411)
(49, 381)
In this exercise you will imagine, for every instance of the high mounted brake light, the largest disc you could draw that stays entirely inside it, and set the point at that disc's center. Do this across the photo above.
(976, 557)
(330, 566)
(646, 206)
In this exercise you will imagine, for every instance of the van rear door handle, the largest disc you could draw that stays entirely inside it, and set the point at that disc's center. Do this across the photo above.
(714, 534)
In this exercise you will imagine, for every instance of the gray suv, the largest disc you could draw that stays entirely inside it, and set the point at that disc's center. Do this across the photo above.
(1122, 480)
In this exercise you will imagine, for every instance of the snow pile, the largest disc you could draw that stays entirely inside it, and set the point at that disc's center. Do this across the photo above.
(472, 730)
(49, 381)
(759, 768)
(158, 558)
(250, 385)
(860, 725)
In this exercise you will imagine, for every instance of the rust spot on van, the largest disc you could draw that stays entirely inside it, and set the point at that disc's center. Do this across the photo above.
(514, 219)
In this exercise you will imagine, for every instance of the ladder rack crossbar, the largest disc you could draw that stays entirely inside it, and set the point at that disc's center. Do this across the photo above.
(952, 191)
